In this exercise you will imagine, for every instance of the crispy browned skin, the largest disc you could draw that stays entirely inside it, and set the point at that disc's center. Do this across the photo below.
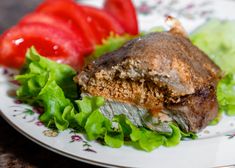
(158, 71)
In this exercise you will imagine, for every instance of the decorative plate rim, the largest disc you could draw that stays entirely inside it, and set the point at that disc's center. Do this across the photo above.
(56, 150)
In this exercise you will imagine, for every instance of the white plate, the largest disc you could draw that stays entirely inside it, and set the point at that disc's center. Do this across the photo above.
(215, 146)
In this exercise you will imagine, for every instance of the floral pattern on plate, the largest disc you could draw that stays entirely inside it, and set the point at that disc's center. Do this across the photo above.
(189, 10)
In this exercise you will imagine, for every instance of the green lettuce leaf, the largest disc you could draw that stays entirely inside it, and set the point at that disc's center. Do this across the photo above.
(114, 137)
(45, 82)
(149, 140)
(113, 42)
(95, 124)
(86, 106)
(54, 102)
(174, 138)
(226, 94)
(36, 74)
(188, 135)
(216, 39)
(153, 30)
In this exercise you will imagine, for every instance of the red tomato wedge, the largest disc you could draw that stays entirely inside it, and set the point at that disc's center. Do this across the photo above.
(124, 12)
(49, 41)
(86, 46)
(102, 22)
(70, 12)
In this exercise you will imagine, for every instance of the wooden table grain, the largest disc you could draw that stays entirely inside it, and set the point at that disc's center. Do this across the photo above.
(16, 151)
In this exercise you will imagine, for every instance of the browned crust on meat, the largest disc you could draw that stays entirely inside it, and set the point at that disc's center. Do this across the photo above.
(163, 58)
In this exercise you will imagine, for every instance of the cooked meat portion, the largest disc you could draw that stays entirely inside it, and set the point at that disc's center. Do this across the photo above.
(161, 72)
(195, 111)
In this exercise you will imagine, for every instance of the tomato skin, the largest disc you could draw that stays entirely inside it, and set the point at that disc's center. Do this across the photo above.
(124, 12)
(55, 21)
(48, 40)
(70, 12)
(102, 22)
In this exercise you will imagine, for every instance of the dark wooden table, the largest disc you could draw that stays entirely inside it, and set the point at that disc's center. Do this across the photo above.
(16, 151)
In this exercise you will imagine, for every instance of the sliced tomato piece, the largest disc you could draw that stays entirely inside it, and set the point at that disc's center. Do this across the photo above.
(102, 22)
(124, 12)
(70, 12)
(49, 41)
(55, 21)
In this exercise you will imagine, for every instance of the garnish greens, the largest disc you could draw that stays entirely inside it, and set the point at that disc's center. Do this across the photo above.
(112, 43)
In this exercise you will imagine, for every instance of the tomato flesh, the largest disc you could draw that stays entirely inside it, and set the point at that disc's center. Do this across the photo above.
(43, 46)
(72, 13)
(55, 21)
(124, 12)
(102, 22)
(50, 42)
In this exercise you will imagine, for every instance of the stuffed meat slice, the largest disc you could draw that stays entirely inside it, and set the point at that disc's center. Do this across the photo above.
(156, 79)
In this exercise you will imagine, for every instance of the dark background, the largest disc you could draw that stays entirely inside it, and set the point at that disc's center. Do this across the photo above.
(16, 151)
